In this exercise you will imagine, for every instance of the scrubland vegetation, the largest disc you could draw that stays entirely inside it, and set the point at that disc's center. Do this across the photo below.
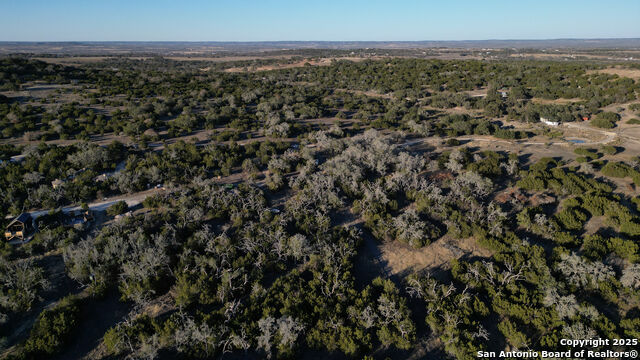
(254, 240)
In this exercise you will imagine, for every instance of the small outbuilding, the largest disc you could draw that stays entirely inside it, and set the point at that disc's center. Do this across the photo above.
(19, 228)
(549, 122)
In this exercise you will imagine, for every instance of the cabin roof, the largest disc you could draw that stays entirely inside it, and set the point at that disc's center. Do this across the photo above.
(22, 218)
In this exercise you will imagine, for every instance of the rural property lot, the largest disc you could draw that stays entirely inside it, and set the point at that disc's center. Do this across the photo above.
(211, 201)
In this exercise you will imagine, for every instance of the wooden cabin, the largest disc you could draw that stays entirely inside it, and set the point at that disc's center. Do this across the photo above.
(19, 228)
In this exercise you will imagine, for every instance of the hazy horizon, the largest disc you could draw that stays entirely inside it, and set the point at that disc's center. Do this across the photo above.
(320, 41)
(285, 20)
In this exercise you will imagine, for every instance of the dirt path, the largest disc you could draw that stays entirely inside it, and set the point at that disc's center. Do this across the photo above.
(134, 199)
(131, 200)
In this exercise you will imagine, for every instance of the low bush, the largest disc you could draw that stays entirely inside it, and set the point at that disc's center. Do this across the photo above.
(118, 208)
(602, 123)
(617, 169)
(53, 328)
(609, 150)
(591, 154)
(605, 120)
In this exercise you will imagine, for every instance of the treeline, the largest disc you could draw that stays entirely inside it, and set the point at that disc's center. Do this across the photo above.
(161, 94)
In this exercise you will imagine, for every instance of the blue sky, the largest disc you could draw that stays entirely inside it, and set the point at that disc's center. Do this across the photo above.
(271, 20)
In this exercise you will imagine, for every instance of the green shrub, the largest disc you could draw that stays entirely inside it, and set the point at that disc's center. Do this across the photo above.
(598, 164)
(118, 208)
(609, 150)
(608, 115)
(616, 169)
(606, 120)
(594, 246)
(509, 134)
(565, 238)
(153, 201)
(53, 328)
(544, 164)
(591, 154)
(571, 218)
(511, 334)
(626, 249)
(601, 123)
(135, 331)
(489, 165)
(597, 204)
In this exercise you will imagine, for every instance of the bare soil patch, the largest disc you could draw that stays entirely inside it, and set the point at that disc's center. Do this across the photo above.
(369, 93)
(594, 224)
(624, 185)
(555, 101)
(455, 110)
(477, 93)
(401, 258)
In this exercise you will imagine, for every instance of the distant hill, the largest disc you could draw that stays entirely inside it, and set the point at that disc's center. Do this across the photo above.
(88, 48)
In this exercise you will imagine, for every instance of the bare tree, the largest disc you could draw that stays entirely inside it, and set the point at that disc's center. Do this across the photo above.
(20, 283)
(631, 276)
(581, 273)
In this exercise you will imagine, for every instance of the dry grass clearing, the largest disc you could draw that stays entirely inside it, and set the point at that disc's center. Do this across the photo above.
(476, 93)
(569, 56)
(312, 62)
(369, 93)
(79, 60)
(73, 60)
(401, 258)
(321, 62)
(556, 101)
(623, 72)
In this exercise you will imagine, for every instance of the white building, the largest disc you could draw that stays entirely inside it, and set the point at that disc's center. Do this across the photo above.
(549, 122)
